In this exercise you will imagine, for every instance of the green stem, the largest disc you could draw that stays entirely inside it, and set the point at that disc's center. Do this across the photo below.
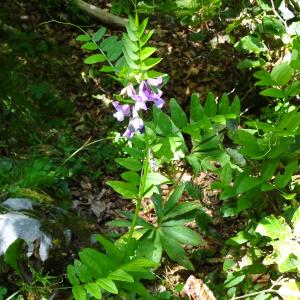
(255, 294)
(140, 196)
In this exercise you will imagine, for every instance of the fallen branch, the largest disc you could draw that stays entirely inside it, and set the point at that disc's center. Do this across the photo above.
(100, 14)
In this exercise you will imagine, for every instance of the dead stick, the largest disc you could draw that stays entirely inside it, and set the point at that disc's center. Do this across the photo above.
(100, 14)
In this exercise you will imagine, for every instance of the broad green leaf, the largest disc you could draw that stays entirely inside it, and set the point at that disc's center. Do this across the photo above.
(249, 63)
(233, 280)
(224, 105)
(120, 275)
(129, 163)
(282, 73)
(177, 114)
(272, 25)
(295, 64)
(273, 92)
(130, 62)
(174, 198)
(268, 169)
(89, 46)
(251, 44)
(246, 183)
(83, 38)
(93, 59)
(157, 201)
(97, 262)
(219, 119)
(248, 141)
(147, 52)
(241, 238)
(108, 285)
(281, 181)
(264, 78)
(127, 190)
(210, 141)
(293, 89)
(157, 252)
(244, 202)
(146, 37)
(108, 43)
(72, 275)
(82, 271)
(129, 45)
(155, 179)
(131, 177)
(138, 264)
(228, 264)
(79, 292)
(116, 51)
(175, 251)
(113, 251)
(162, 122)
(132, 34)
(107, 69)
(94, 290)
(142, 27)
(235, 107)
(132, 23)
(131, 55)
(150, 63)
(197, 113)
(97, 36)
(210, 106)
(180, 209)
(274, 228)
(182, 234)
(193, 160)
(226, 174)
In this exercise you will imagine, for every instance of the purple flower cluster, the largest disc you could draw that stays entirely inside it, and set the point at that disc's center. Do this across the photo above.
(148, 91)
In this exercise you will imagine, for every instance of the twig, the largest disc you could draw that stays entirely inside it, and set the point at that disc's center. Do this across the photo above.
(278, 15)
(270, 290)
(100, 14)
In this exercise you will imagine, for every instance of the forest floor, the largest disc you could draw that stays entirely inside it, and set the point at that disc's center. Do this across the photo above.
(48, 55)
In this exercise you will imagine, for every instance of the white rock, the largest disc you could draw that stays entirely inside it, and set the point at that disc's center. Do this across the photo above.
(14, 225)
(18, 203)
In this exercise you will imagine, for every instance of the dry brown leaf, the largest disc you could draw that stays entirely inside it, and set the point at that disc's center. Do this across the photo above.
(196, 289)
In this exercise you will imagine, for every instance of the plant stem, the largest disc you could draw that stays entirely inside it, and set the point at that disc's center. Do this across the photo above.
(270, 290)
(278, 15)
(140, 196)
(255, 294)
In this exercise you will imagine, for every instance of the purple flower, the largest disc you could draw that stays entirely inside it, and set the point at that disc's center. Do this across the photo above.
(147, 94)
(128, 90)
(122, 110)
(155, 81)
(135, 124)
(148, 91)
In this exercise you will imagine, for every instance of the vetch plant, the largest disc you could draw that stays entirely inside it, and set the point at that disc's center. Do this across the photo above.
(131, 66)
(168, 233)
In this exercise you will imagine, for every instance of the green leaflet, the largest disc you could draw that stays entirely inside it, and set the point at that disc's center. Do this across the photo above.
(127, 190)
(94, 290)
(79, 292)
(108, 285)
